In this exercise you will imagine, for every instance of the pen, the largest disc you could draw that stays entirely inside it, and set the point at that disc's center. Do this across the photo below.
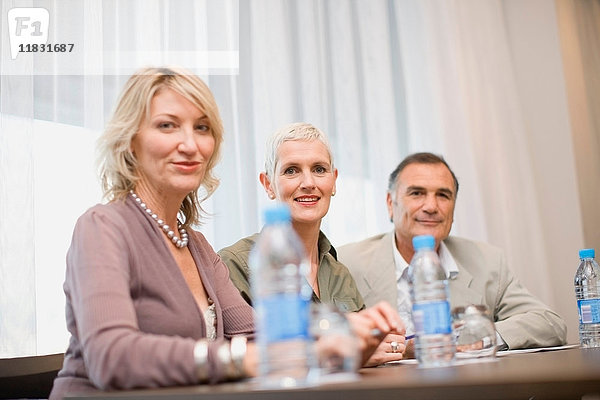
(377, 332)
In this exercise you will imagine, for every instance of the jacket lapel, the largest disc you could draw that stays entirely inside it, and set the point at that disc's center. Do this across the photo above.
(381, 271)
(461, 291)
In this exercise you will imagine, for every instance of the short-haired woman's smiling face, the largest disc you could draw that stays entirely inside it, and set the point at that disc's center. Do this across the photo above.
(174, 146)
(305, 179)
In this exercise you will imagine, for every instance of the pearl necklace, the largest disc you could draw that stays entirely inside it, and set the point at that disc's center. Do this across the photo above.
(179, 243)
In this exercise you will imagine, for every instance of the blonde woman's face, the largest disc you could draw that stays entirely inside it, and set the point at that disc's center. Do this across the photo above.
(305, 179)
(174, 146)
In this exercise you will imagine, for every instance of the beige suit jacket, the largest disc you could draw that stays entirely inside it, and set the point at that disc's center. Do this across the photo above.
(521, 319)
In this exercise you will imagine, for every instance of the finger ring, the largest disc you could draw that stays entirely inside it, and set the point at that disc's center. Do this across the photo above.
(394, 347)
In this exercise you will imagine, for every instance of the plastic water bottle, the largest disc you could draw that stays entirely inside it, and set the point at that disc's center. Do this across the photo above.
(587, 293)
(434, 340)
(281, 293)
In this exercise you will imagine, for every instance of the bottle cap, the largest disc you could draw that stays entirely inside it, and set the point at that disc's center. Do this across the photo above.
(587, 253)
(423, 242)
(277, 214)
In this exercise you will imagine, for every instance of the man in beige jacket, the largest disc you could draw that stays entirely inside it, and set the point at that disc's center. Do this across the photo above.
(420, 200)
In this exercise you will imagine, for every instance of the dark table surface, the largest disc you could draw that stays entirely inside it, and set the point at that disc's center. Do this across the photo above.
(559, 374)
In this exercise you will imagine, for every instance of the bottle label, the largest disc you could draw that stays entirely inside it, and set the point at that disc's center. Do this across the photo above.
(589, 311)
(432, 318)
(283, 317)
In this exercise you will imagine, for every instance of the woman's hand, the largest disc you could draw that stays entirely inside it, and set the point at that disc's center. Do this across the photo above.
(372, 325)
(392, 348)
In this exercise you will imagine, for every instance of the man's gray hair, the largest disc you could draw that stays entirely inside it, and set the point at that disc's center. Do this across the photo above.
(418, 158)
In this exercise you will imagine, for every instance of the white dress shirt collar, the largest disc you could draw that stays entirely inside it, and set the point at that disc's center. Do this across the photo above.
(446, 260)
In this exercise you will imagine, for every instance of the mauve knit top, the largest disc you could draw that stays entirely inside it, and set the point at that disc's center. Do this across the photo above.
(132, 318)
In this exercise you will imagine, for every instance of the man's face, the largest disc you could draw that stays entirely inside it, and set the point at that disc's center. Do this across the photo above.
(423, 203)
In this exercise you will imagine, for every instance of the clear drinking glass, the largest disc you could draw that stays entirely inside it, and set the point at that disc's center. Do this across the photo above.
(474, 331)
(335, 355)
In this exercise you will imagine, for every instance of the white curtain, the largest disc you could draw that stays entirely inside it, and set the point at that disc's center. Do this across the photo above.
(477, 81)
(485, 87)
(335, 64)
(53, 106)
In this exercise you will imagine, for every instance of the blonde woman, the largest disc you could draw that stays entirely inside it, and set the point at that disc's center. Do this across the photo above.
(149, 303)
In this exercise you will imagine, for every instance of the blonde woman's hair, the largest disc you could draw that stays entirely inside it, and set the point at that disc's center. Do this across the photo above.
(118, 166)
(295, 131)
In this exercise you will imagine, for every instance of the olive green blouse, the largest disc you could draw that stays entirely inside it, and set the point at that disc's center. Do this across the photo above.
(336, 285)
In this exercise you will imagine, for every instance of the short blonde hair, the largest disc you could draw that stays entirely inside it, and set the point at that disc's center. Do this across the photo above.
(117, 163)
(295, 131)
